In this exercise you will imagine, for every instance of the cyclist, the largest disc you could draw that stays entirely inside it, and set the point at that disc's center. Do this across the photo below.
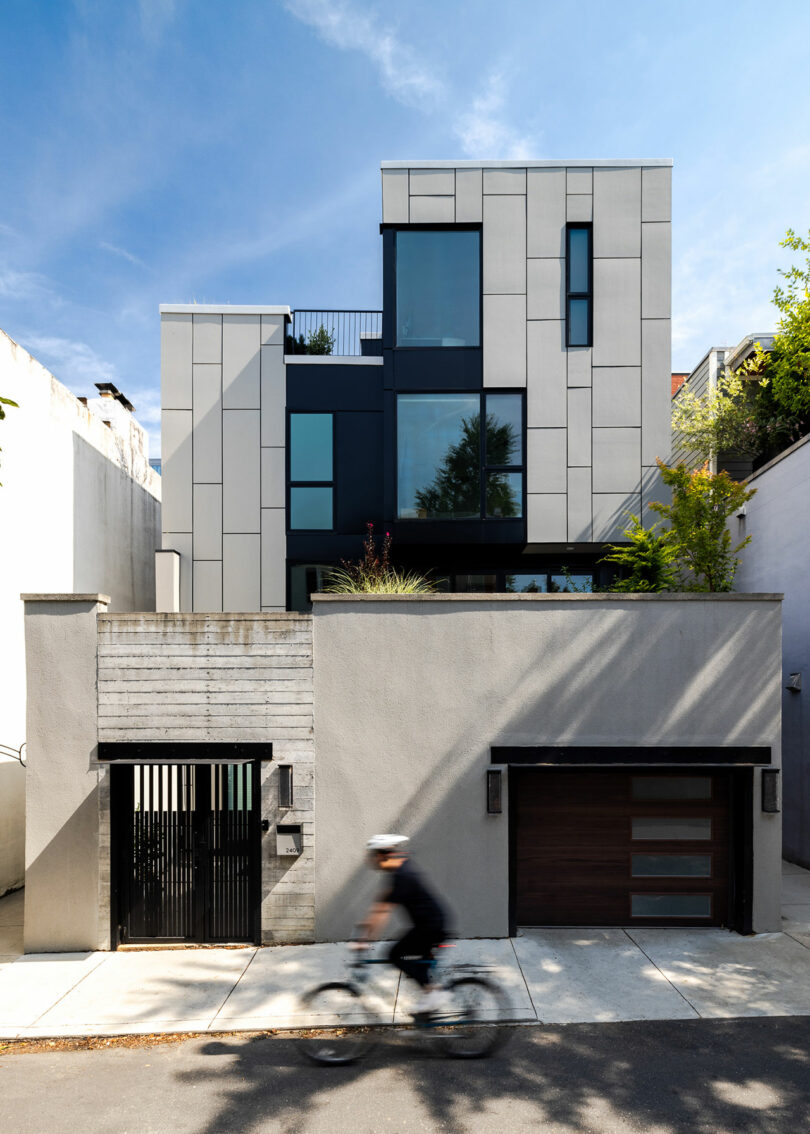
(404, 887)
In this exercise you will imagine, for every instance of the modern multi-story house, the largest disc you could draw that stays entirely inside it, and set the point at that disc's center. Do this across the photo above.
(558, 758)
(500, 417)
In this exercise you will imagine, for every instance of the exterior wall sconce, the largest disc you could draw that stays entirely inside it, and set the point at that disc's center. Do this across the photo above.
(770, 790)
(794, 683)
(494, 796)
(285, 785)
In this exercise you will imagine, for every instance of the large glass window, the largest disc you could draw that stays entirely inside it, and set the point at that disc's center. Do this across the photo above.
(438, 288)
(579, 286)
(448, 467)
(311, 472)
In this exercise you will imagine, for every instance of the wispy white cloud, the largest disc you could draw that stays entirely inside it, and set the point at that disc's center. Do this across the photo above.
(116, 251)
(24, 285)
(485, 130)
(73, 362)
(481, 123)
(156, 16)
(350, 28)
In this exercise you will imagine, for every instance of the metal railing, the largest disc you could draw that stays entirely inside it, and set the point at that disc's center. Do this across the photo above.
(345, 333)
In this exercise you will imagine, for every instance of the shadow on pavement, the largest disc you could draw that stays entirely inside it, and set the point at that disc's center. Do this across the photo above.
(749, 1075)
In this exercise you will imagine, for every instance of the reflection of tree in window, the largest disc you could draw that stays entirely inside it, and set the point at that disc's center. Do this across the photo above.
(456, 487)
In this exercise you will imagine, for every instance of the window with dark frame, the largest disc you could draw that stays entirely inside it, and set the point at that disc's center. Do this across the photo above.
(438, 288)
(311, 472)
(460, 456)
(579, 285)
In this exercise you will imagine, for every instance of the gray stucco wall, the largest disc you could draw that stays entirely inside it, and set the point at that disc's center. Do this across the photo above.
(411, 693)
(777, 559)
(62, 851)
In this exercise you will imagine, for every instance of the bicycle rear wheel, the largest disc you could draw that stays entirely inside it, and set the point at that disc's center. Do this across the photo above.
(475, 1007)
(339, 1018)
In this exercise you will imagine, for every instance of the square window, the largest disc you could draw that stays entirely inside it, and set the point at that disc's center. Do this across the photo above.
(310, 508)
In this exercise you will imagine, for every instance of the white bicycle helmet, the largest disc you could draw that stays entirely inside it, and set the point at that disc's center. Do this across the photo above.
(386, 842)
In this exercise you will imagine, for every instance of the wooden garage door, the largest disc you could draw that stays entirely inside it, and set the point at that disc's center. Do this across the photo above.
(620, 847)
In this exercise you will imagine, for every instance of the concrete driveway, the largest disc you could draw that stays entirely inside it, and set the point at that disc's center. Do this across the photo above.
(556, 976)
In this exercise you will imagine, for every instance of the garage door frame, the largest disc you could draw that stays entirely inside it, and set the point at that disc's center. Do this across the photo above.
(739, 762)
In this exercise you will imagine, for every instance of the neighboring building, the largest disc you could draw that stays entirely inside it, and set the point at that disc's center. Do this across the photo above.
(777, 558)
(536, 297)
(79, 511)
(559, 758)
(704, 378)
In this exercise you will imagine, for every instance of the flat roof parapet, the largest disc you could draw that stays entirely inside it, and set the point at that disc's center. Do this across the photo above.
(224, 309)
(531, 163)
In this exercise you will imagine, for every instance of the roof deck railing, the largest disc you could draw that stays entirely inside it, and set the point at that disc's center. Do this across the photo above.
(343, 333)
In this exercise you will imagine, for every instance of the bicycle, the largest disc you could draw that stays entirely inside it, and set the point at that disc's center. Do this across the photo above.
(471, 1028)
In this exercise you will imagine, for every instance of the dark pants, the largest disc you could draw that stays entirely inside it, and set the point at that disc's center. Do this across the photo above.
(415, 948)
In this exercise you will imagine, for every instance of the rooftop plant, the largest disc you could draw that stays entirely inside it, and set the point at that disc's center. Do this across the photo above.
(374, 573)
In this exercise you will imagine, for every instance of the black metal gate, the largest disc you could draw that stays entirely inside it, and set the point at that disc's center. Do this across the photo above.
(186, 846)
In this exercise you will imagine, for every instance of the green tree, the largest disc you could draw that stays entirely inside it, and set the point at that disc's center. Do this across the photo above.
(6, 402)
(320, 341)
(456, 487)
(649, 559)
(702, 503)
(789, 364)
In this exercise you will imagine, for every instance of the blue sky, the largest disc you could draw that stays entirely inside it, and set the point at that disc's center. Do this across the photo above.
(170, 151)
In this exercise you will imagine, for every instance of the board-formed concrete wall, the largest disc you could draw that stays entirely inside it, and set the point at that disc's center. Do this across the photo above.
(599, 416)
(412, 691)
(777, 558)
(220, 678)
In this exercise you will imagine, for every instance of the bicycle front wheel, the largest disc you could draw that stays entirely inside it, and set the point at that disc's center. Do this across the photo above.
(340, 1020)
(474, 1009)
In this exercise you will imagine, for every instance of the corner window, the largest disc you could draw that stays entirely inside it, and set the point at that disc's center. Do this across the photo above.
(449, 467)
(578, 285)
(311, 472)
(438, 288)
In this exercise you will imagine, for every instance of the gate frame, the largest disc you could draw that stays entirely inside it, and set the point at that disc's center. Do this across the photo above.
(126, 753)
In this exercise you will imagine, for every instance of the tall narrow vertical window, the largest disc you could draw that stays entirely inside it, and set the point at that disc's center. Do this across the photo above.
(311, 475)
(579, 285)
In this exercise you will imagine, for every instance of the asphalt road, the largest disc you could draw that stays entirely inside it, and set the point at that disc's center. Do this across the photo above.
(692, 1076)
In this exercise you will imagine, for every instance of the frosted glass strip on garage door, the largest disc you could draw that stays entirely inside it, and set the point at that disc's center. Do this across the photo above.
(672, 787)
(671, 827)
(672, 865)
(671, 905)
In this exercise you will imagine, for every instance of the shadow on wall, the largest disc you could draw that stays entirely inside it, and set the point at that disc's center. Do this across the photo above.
(615, 688)
(116, 529)
(12, 825)
(618, 1077)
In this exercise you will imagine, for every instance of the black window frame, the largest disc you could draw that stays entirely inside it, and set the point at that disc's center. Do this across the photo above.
(483, 466)
(585, 226)
(440, 227)
(291, 484)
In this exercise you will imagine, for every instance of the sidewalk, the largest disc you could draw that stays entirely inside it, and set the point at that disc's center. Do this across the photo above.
(552, 975)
